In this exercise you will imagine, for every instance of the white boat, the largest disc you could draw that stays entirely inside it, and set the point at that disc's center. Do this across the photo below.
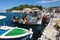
(2, 17)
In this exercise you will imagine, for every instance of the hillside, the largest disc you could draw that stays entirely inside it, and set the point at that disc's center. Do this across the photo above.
(21, 7)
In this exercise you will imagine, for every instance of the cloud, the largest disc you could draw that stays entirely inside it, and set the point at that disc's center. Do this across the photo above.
(47, 1)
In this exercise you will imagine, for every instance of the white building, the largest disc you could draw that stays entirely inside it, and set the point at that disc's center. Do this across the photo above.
(27, 10)
(15, 11)
(36, 10)
(45, 10)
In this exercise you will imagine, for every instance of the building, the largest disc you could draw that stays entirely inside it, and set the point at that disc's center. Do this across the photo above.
(37, 10)
(31, 10)
(15, 11)
(27, 10)
(55, 9)
(45, 10)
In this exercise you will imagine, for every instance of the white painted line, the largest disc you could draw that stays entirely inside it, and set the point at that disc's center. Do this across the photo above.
(7, 32)
(16, 36)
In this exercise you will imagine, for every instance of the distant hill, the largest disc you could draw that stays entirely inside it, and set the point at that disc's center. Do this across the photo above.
(21, 7)
(55, 7)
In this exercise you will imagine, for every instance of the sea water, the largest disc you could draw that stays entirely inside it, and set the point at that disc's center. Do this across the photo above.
(2, 31)
(7, 21)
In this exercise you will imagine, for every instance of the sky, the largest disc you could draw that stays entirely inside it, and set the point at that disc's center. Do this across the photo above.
(7, 4)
